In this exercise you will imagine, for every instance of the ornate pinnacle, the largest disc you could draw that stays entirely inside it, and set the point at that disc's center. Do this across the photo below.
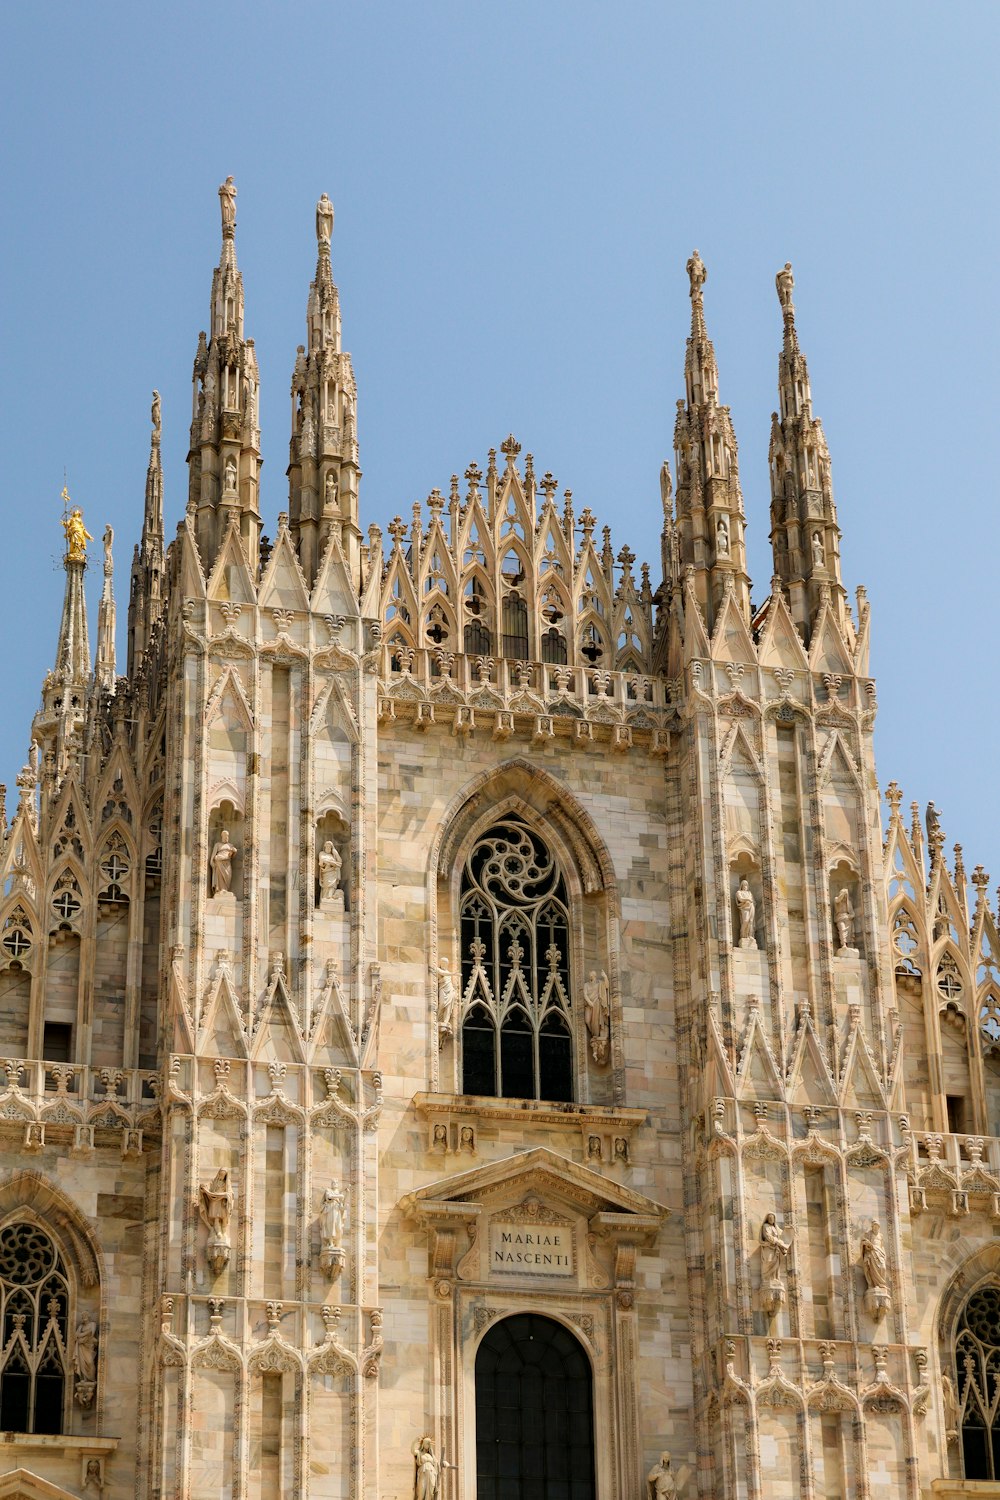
(227, 202)
(510, 448)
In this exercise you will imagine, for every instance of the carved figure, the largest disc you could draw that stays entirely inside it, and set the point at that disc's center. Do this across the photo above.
(427, 1470)
(446, 1001)
(660, 1481)
(229, 479)
(216, 1206)
(819, 556)
(874, 1261)
(747, 908)
(85, 1350)
(109, 565)
(331, 1218)
(666, 487)
(331, 490)
(227, 202)
(843, 915)
(154, 416)
(785, 282)
(330, 865)
(952, 1415)
(466, 1138)
(722, 537)
(324, 220)
(594, 1147)
(440, 1140)
(222, 864)
(773, 1249)
(77, 535)
(696, 273)
(597, 1014)
(93, 1478)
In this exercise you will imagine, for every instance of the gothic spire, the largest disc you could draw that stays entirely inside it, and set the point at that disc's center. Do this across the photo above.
(224, 456)
(59, 723)
(710, 520)
(804, 532)
(104, 669)
(323, 470)
(146, 592)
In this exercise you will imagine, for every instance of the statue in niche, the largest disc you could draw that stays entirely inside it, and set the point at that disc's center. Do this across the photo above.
(440, 1138)
(819, 555)
(229, 479)
(215, 1204)
(331, 490)
(722, 538)
(331, 1228)
(773, 1250)
(222, 865)
(594, 1148)
(660, 1481)
(330, 865)
(597, 1014)
(85, 1360)
(467, 1139)
(952, 1413)
(446, 1002)
(875, 1264)
(747, 908)
(843, 916)
(93, 1480)
(427, 1470)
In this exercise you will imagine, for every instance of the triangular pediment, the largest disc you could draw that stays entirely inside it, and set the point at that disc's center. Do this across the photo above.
(21, 1484)
(541, 1172)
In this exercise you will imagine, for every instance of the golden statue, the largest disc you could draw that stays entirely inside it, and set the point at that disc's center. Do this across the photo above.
(77, 535)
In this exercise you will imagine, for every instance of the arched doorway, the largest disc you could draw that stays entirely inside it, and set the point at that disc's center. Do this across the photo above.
(534, 1413)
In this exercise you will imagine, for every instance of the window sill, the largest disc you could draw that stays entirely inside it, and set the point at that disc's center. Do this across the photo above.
(66, 1442)
(527, 1111)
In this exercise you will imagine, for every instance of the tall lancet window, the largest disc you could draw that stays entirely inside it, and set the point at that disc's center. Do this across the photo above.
(977, 1357)
(516, 1037)
(34, 1309)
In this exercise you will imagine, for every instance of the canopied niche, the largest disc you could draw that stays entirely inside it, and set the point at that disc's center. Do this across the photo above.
(332, 881)
(845, 907)
(225, 845)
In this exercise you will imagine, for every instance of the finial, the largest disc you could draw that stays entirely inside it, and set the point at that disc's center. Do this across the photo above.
(324, 221)
(227, 201)
(510, 448)
(696, 275)
(154, 417)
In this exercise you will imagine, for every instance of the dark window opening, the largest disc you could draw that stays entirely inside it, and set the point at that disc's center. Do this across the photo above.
(956, 1113)
(977, 1361)
(515, 628)
(554, 648)
(57, 1042)
(34, 1302)
(478, 641)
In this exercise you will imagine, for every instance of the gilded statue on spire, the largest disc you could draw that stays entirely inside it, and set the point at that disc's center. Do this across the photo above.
(227, 200)
(324, 220)
(77, 535)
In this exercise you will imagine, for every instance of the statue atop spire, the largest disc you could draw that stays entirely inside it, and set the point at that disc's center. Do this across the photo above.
(227, 201)
(154, 417)
(785, 284)
(77, 535)
(696, 275)
(324, 221)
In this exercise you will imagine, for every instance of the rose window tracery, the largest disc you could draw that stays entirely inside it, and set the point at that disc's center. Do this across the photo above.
(516, 1038)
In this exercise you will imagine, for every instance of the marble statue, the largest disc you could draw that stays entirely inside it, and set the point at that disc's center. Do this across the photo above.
(466, 1138)
(154, 416)
(773, 1249)
(324, 220)
(331, 1218)
(747, 908)
(874, 1261)
(222, 864)
(330, 866)
(85, 1350)
(722, 538)
(952, 1414)
(109, 565)
(446, 1001)
(785, 283)
(843, 913)
(216, 1205)
(597, 1014)
(666, 487)
(660, 1481)
(427, 1470)
(227, 202)
(331, 490)
(229, 481)
(819, 556)
(696, 273)
(77, 535)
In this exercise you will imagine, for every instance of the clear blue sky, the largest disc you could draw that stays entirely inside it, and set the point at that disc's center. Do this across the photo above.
(517, 188)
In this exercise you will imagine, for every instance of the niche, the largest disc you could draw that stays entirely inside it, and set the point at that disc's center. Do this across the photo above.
(747, 917)
(845, 909)
(225, 829)
(332, 899)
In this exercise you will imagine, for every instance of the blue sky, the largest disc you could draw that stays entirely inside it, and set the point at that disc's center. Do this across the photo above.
(517, 189)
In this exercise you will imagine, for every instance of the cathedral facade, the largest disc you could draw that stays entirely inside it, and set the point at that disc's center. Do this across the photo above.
(469, 1029)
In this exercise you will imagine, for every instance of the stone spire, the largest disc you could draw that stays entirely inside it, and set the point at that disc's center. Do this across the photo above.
(58, 725)
(804, 532)
(323, 470)
(146, 593)
(710, 521)
(224, 457)
(104, 668)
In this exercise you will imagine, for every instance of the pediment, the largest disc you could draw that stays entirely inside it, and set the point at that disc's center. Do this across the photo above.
(21, 1484)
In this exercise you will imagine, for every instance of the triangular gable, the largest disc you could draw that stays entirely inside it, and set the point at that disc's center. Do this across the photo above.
(860, 1087)
(730, 638)
(276, 1030)
(191, 584)
(331, 1027)
(757, 1076)
(696, 642)
(230, 578)
(220, 1030)
(828, 651)
(333, 592)
(780, 645)
(21, 1484)
(809, 1078)
(283, 585)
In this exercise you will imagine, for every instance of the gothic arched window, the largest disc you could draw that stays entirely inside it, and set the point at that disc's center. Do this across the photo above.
(516, 1038)
(534, 1412)
(977, 1357)
(34, 1312)
(515, 628)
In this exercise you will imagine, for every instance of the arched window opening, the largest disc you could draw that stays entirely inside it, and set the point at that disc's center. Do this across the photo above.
(977, 1358)
(591, 645)
(534, 1412)
(478, 641)
(554, 648)
(516, 1035)
(515, 628)
(34, 1313)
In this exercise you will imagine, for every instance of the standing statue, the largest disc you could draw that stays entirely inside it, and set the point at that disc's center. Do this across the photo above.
(773, 1250)
(427, 1470)
(331, 1218)
(597, 1014)
(324, 220)
(330, 491)
(874, 1261)
(109, 565)
(227, 201)
(843, 915)
(222, 864)
(696, 273)
(330, 866)
(722, 538)
(819, 556)
(446, 1001)
(747, 908)
(154, 416)
(77, 535)
(216, 1205)
(85, 1350)
(229, 476)
(785, 283)
(660, 1481)
(952, 1414)
(666, 488)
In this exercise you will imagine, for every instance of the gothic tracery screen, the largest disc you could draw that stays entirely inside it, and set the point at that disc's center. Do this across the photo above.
(34, 1299)
(516, 1038)
(977, 1356)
